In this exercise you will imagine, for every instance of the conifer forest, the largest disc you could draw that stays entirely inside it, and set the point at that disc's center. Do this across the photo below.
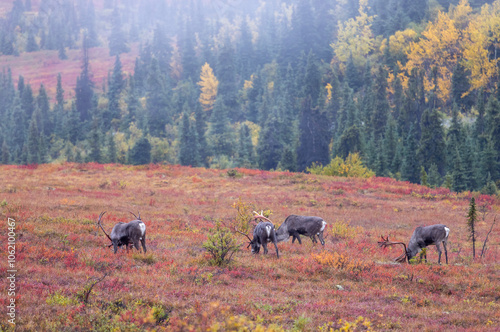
(410, 88)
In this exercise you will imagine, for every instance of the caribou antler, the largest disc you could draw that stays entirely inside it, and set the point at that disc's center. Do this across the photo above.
(100, 225)
(386, 243)
(136, 217)
(261, 216)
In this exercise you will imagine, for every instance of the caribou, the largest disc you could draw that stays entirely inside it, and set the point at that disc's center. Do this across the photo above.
(125, 234)
(295, 226)
(263, 233)
(422, 237)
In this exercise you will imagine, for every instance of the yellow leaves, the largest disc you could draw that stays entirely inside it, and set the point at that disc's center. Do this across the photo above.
(340, 261)
(328, 92)
(438, 47)
(460, 14)
(351, 167)
(355, 37)
(482, 32)
(399, 42)
(209, 85)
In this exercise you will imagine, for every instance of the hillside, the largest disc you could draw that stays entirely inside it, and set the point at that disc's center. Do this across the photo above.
(43, 67)
(60, 254)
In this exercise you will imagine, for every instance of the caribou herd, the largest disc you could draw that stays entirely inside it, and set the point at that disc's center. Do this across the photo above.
(133, 232)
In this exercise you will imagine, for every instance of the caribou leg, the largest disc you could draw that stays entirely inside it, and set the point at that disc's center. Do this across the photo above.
(265, 247)
(438, 247)
(320, 236)
(143, 242)
(445, 251)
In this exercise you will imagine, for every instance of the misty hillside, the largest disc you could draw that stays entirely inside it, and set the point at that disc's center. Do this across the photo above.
(410, 89)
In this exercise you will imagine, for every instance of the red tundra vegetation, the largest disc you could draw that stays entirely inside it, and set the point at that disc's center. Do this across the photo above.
(69, 280)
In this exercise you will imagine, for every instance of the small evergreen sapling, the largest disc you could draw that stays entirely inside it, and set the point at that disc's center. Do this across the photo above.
(471, 223)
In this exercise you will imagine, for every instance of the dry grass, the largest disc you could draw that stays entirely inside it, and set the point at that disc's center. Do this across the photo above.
(172, 287)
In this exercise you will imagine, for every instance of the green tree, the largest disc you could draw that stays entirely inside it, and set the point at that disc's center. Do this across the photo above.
(33, 143)
(220, 132)
(459, 181)
(351, 141)
(288, 160)
(117, 39)
(432, 142)
(156, 100)
(434, 177)
(381, 105)
(410, 168)
(189, 148)
(5, 159)
(111, 149)
(84, 92)
(116, 86)
(314, 136)
(270, 144)
(226, 74)
(95, 153)
(471, 224)
(246, 155)
(140, 153)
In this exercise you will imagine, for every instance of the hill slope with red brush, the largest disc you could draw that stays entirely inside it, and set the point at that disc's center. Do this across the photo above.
(44, 66)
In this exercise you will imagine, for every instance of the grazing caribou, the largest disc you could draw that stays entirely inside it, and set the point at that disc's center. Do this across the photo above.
(422, 237)
(299, 225)
(124, 234)
(263, 233)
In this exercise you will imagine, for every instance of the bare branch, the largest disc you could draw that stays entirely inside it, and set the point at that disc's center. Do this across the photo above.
(486, 239)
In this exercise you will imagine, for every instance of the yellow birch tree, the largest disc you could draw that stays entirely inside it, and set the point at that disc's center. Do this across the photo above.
(482, 33)
(355, 37)
(438, 47)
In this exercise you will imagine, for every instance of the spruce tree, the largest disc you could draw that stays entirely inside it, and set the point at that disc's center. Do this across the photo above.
(459, 182)
(270, 145)
(116, 86)
(84, 86)
(434, 178)
(410, 168)
(140, 153)
(201, 128)
(186, 148)
(455, 138)
(95, 154)
(112, 153)
(459, 86)
(117, 39)
(381, 105)
(33, 143)
(246, 156)
(288, 160)
(432, 142)
(390, 146)
(471, 224)
(351, 141)
(220, 133)
(5, 153)
(226, 74)
(314, 136)
(156, 100)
